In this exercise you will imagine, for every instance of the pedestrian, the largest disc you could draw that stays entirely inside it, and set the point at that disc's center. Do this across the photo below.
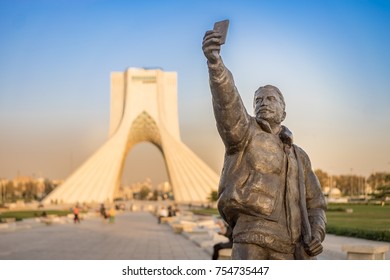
(226, 230)
(76, 212)
(103, 211)
(162, 213)
(112, 214)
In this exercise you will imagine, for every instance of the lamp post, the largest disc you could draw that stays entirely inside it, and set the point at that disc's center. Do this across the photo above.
(350, 184)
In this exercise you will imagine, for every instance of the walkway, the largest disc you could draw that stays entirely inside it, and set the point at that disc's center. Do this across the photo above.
(134, 235)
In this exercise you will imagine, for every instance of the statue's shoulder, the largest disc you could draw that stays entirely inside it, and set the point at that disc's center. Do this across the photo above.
(304, 157)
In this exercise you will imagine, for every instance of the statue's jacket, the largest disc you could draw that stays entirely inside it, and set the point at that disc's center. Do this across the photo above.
(263, 178)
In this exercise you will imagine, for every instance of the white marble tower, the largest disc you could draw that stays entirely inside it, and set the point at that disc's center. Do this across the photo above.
(143, 108)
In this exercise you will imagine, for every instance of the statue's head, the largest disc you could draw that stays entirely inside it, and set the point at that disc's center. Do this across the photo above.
(269, 104)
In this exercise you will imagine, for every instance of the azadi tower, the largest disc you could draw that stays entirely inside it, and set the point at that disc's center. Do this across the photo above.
(143, 108)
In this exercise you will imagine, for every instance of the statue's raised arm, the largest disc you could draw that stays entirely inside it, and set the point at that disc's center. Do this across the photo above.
(230, 113)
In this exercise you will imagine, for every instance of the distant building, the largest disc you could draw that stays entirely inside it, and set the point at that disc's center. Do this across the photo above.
(332, 192)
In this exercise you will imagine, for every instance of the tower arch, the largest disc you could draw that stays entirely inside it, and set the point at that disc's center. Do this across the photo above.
(143, 108)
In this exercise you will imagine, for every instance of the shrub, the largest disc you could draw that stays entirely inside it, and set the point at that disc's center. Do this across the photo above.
(378, 235)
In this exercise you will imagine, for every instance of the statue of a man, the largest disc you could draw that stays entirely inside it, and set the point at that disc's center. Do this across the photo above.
(268, 192)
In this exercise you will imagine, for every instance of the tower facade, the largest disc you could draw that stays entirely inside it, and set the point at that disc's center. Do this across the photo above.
(143, 108)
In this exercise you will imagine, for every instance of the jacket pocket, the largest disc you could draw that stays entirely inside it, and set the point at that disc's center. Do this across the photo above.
(256, 196)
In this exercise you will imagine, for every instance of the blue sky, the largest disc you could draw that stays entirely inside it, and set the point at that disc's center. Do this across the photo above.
(329, 58)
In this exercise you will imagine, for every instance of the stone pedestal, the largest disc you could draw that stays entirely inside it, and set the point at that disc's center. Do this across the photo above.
(365, 252)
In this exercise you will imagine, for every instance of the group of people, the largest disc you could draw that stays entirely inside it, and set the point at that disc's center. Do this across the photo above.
(110, 215)
(169, 211)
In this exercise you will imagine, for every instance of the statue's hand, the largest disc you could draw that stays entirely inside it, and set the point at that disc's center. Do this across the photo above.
(212, 45)
(314, 248)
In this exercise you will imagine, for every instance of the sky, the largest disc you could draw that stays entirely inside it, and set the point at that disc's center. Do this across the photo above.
(330, 59)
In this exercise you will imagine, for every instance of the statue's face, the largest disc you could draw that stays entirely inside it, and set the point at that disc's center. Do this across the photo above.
(269, 106)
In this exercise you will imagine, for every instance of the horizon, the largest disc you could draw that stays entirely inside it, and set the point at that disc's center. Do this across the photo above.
(330, 59)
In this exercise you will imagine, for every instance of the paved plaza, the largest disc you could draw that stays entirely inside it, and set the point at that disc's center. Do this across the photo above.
(134, 235)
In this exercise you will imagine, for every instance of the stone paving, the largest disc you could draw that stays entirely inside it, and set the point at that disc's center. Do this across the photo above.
(134, 235)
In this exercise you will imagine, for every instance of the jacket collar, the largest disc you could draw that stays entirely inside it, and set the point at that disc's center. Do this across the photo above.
(285, 134)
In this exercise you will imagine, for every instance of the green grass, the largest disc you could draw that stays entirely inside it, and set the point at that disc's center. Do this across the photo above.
(373, 217)
(20, 215)
(366, 221)
(206, 211)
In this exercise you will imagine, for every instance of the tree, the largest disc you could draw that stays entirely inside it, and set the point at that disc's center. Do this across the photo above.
(380, 184)
(156, 194)
(378, 179)
(49, 187)
(382, 192)
(213, 196)
(144, 192)
(323, 177)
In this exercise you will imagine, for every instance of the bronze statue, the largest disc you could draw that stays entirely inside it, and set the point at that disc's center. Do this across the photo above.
(268, 192)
